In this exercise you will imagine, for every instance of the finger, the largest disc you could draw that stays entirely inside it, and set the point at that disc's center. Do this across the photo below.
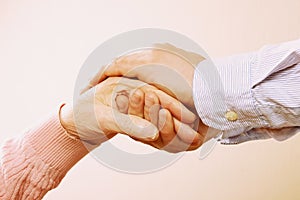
(151, 108)
(122, 102)
(122, 66)
(136, 103)
(166, 126)
(168, 140)
(133, 126)
(186, 133)
(177, 109)
(177, 145)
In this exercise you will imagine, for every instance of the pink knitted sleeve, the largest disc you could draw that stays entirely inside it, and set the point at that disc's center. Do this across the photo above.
(37, 161)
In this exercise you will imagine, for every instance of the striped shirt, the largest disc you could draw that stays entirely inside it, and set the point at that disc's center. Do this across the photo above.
(262, 89)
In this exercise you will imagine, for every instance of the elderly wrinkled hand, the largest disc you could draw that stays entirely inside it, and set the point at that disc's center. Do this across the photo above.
(165, 112)
(131, 107)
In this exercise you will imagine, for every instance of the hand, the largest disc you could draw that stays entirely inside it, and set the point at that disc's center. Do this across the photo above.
(174, 136)
(168, 68)
(94, 117)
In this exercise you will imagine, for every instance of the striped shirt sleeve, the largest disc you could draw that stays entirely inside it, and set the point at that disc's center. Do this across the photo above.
(260, 89)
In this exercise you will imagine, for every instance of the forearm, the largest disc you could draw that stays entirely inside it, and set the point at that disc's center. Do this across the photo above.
(36, 162)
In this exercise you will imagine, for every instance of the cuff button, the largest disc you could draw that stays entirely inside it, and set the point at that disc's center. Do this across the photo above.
(231, 116)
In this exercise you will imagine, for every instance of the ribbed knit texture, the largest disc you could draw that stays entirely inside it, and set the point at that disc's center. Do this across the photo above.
(37, 161)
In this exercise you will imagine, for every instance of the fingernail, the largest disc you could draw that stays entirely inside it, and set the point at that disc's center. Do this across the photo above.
(122, 103)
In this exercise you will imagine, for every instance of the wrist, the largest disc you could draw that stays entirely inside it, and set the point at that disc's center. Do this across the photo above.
(66, 118)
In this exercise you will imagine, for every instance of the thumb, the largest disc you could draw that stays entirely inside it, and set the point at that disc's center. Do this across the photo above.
(133, 126)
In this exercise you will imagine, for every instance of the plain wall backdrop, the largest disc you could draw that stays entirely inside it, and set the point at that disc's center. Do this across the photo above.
(44, 43)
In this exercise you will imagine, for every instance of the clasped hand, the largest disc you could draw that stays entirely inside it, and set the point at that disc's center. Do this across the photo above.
(154, 110)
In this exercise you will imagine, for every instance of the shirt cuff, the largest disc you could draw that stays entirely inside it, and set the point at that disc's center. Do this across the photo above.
(250, 91)
(223, 96)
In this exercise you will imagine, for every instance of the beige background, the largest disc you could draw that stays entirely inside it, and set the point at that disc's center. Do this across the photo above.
(44, 43)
